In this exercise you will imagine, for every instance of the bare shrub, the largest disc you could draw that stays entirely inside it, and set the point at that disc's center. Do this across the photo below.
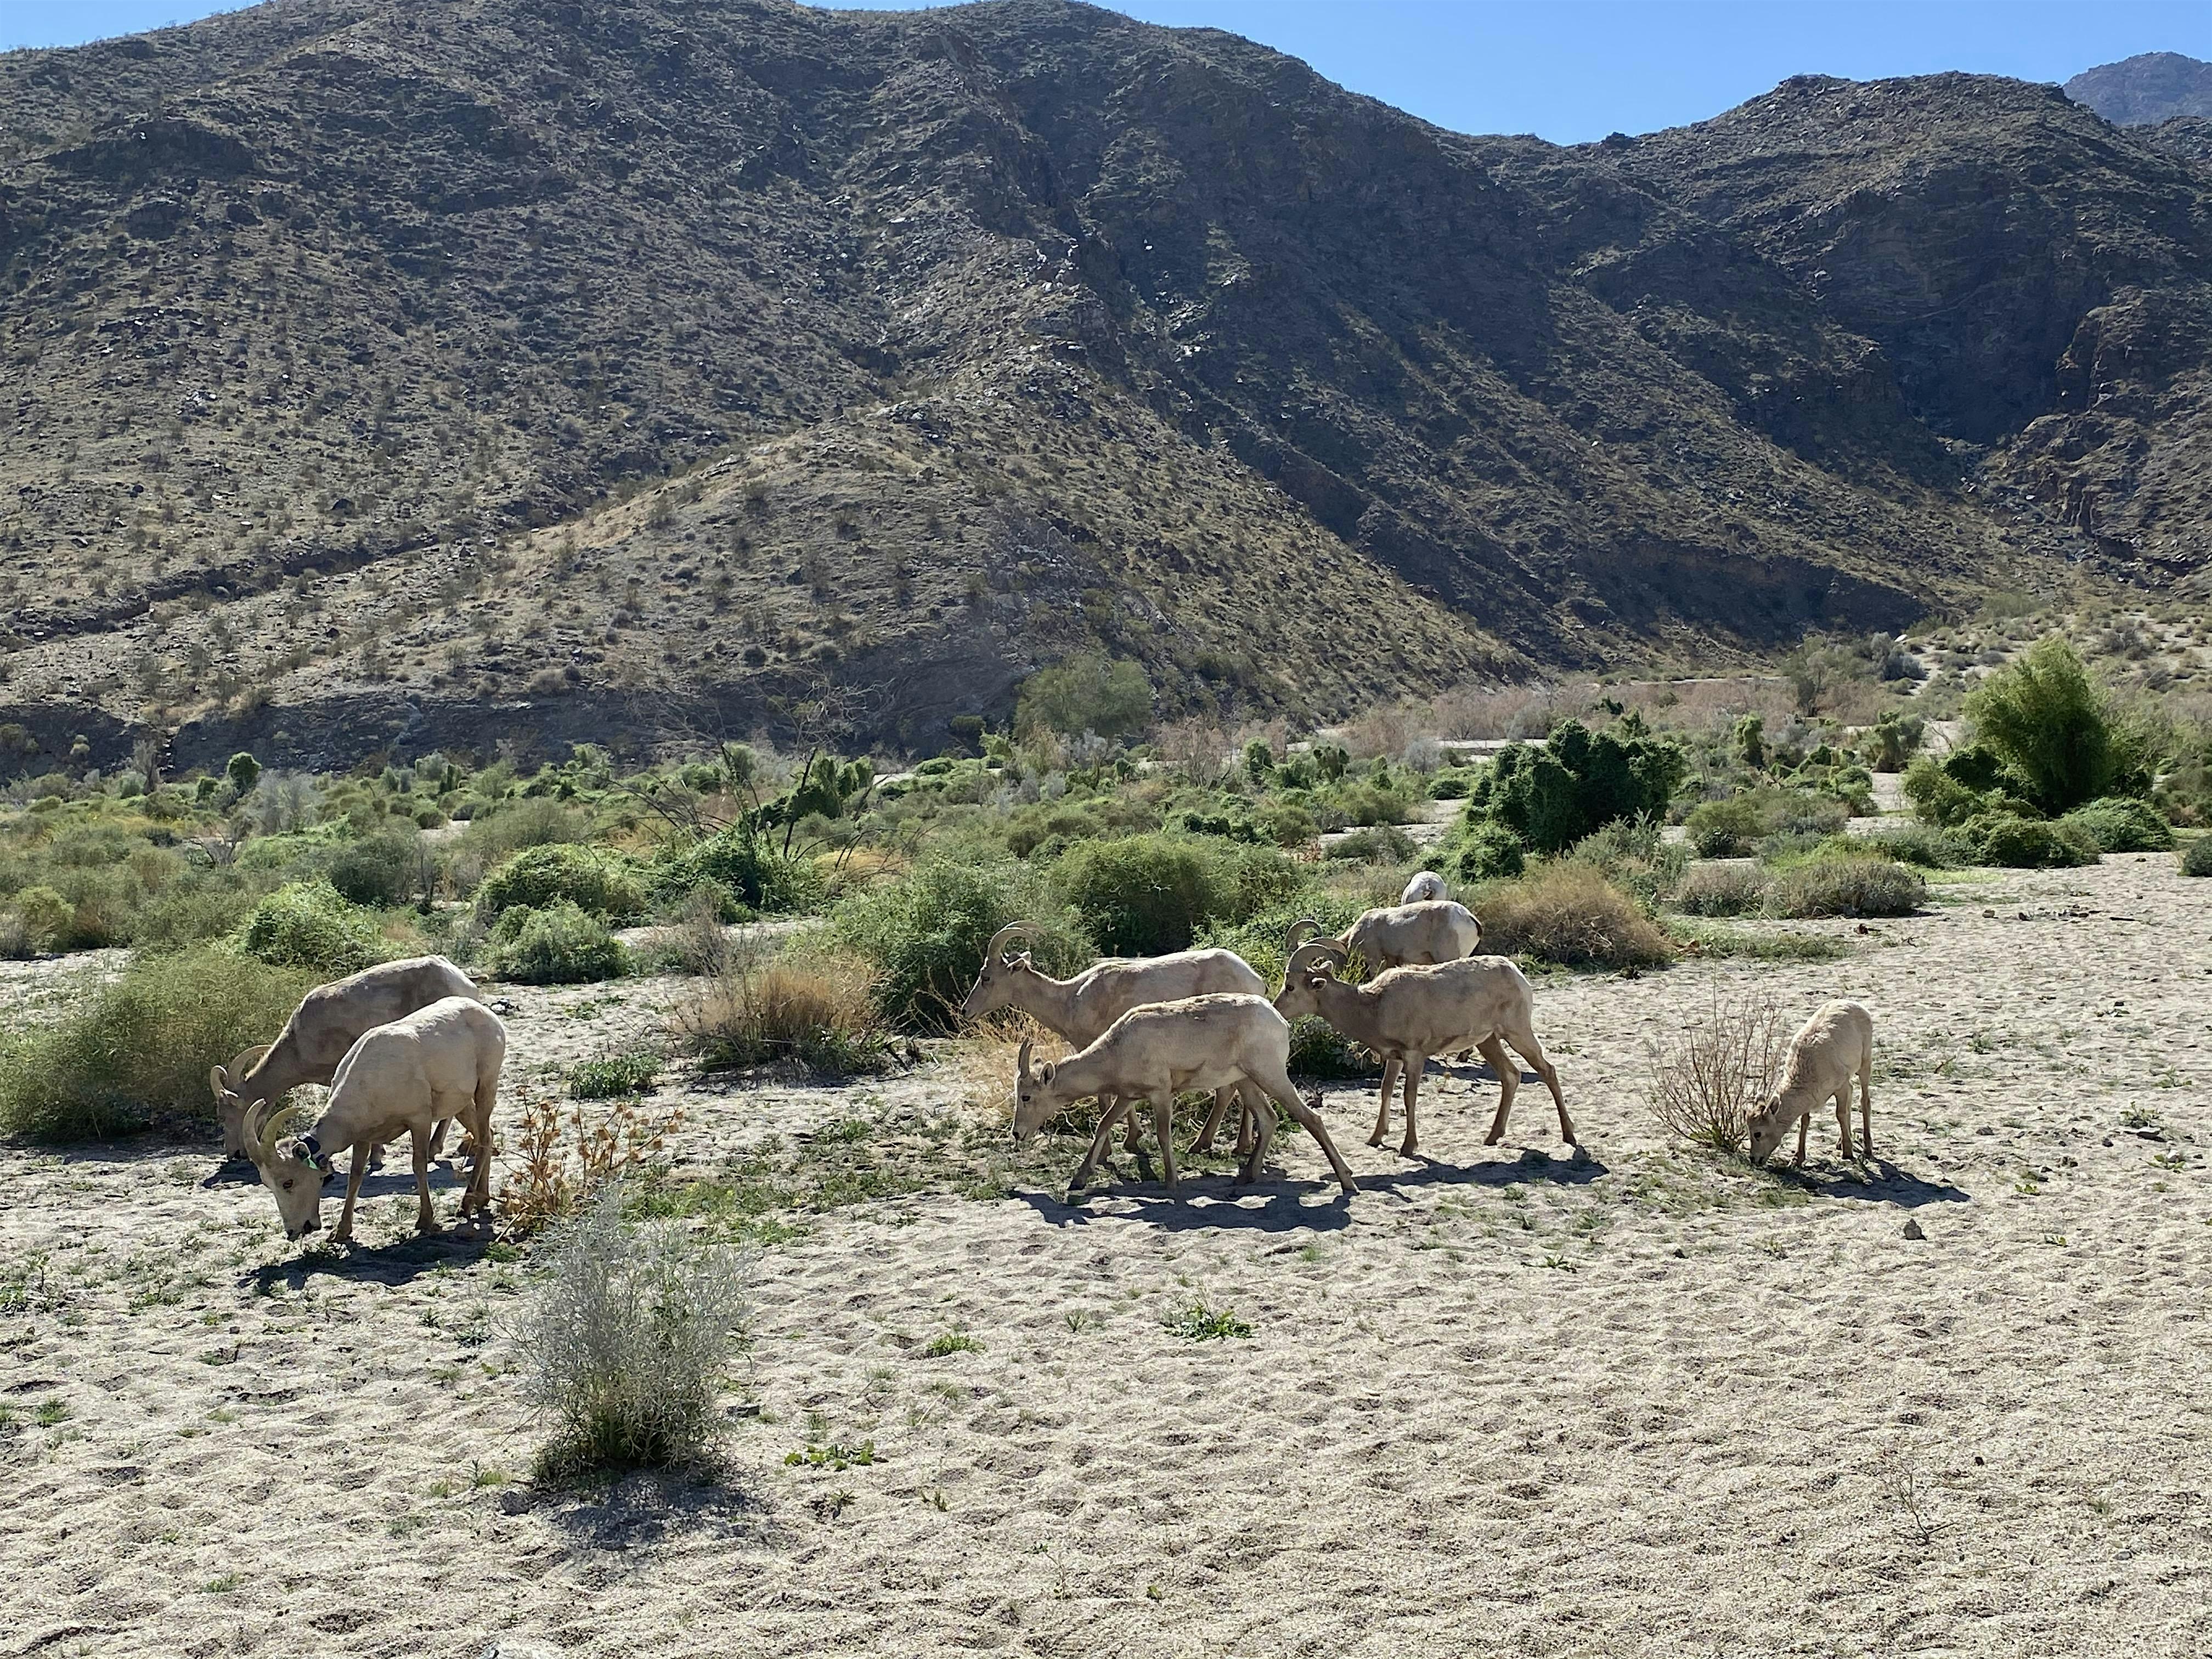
(1471, 713)
(562, 1162)
(1709, 1076)
(819, 1010)
(1569, 913)
(635, 1332)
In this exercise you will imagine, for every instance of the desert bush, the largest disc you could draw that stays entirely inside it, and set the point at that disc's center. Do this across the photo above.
(2197, 858)
(2016, 844)
(201, 908)
(1143, 894)
(1087, 693)
(1569, 913)
(925, 933)
(142, 1044)
(819, 1009)
(1379, 844)
(1711, 1073)
(560, 944)
(1483, 851)
(305, 924)
(1847, 884)
(1725, 828)
(558, 1164)
(1318, 1049)
(593, 880)
(1923, 845)
(46, 918)
(1721, 890)
(1635, 857)
(743, 864)
(1579, 782)
(604, 1077)
(2055, 729)
(631, 1339)
(382, 869)
(2121, 824)
(16, 944)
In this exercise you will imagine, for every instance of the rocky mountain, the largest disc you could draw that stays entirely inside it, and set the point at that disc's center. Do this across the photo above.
(518, 372)
(2146, 90)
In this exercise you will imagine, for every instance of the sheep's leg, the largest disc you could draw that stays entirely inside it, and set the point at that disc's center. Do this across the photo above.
(1383, 1118)
(1263, 1133)
(1526, 1045)
(1213, 1114)
(1415, 1065)
(1163, 1097)
(1803, 1123)
(1844, 1117)
(426, 1216)
(1251, 1103)
(1280, 1087)
(1132, 1136)
(1509, 1084)
(1866, 1108)
(360, 1167)
(1101, 1145)
(480, 1127)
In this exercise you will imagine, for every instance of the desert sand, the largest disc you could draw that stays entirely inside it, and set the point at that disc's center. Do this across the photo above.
(1506, 1400)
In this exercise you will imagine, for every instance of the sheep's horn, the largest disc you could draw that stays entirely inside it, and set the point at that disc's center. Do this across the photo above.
(1323, 955)
(219, 1080)
(259, 1133)
(1021, 1062)
(1005, 936)
(1302, 930)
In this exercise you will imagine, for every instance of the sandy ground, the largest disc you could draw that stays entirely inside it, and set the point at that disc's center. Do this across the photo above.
(1504, 1400)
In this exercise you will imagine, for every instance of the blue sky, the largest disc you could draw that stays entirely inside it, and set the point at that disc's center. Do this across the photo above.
(1568, 70)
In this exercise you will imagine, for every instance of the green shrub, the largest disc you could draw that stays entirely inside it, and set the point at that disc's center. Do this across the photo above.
(380, 870)
(1144, 895)
(1726, 829)
(2026, 843)
(1318, 1049)
(597, 882)
(1385, 844)
(2196, 857)
(1635, 857)
(2054, 729)
(560, 944)
(195, 911)
(2121, 824)
(1568, 912)
(1844, 884)
(1484, 852)
(141, 1044)
(1938, 798)
(48, 918)
(305, 924)
(1923, 845)
(1087, 693)
(744, 864)
(1721, 890)
(925, 933)
(1580, 781)
(608, 1077)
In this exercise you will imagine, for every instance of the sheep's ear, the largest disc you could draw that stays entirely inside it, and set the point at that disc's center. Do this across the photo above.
(1045, 1075)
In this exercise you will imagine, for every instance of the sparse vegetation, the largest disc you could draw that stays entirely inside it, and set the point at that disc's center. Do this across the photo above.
(1708, 1077)
(817, 1010)
(1569, 914)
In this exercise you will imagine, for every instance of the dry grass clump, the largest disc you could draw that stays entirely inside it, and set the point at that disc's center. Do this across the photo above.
(634, 1335)
(1721, 890)
(983, 1060)
(563, 1163)
(1711, 1074)
(1568, 912)
(1848, 885)
(819, 1010)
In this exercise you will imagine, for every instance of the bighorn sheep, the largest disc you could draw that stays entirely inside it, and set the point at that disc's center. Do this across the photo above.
(325, 1025)
(1407, 1014)
(405, 1077)
(1426, 885)
(1080, 1009)
(1829, 1050)
(1413, 935)
(1212, 1042)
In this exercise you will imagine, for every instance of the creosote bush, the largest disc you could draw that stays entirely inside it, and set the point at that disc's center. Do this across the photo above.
(141, 1044)
(1710, 1074)
(1569, 913)
(305, 924)
(2120, 823)
(925, 931)
(597, 882)
(2196, 857)
(1847, 884)
(380, 870)
(631, 1341)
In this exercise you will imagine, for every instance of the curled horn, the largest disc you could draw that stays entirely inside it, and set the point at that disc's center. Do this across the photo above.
(264, 1121)
(1323, 954)
(1004, 937)
(219, 1080)
(1301, 931)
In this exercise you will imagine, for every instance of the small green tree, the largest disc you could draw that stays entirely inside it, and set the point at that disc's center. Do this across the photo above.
(1088, 693)
(1579, 782)
(1751, 741)
(2053, 729)
(243, 771)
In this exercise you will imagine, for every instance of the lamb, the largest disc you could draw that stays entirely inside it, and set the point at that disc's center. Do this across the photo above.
(1418, 933)
(407, 1076)
(1080, 1009)
(322, 1028)
(1829, 1050)
(1407, 1014)
(1428, 884)
(1211, 1041)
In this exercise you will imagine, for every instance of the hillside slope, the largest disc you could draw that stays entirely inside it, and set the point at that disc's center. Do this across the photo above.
(514, 370)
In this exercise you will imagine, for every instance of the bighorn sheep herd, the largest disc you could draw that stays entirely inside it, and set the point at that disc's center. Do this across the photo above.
(408, 1047)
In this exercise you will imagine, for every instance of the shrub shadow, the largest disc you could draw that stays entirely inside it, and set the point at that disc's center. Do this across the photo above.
(641, 1509)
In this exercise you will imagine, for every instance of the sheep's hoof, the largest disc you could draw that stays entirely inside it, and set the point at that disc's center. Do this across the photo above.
(1407, 1148)
(1375, 1140)
(1493, 1137)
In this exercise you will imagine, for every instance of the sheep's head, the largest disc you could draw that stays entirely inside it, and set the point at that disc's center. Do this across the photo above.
(229, 1104)
(1002, 971)
(1036, 1101)
(292, 1167)
(1310, 964)
(1769, 1124)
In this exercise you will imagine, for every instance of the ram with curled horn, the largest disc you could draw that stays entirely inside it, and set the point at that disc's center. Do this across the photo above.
(1406, 1015)
(1416, 935)
(407, 1077)
(1080, 1009)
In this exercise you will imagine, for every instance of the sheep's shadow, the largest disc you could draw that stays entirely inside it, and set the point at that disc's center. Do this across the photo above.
(1886, 1184)
(453, 1245)
(1224, 1206)
(1530, 1166)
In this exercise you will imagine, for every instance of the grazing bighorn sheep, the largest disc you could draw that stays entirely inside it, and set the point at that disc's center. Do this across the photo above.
(1415, 935)
(1214, 1042)
(1428, 884)
(1080, 1009)
(405, 1077)
(1829, 1050)
(325, 1025)
(1407, 1014)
